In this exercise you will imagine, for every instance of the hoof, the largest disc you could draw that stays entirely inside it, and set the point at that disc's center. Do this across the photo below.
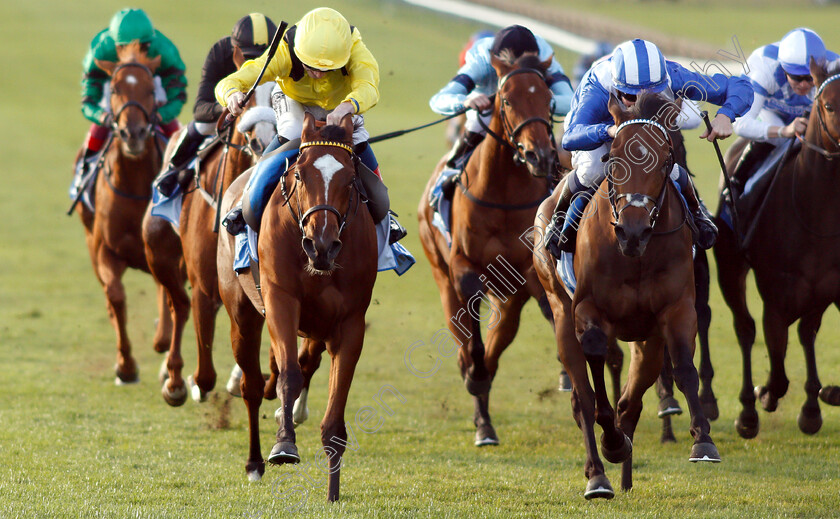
(477, 387)
(668, 437)
(669, 406)
(599, 486)
(830, 395)
(704, 452)
(163, 372)
(124, 379)
(710, 407)
(486, 435)
(810, 420)
(232, 385)
(284, 452)
(768, 402)
(300, 411)
(255, 470)
(278, 416)
(565, 382)
(195, 392)
(619, 454)
(254, 476)
(747, 425)
(174, 398)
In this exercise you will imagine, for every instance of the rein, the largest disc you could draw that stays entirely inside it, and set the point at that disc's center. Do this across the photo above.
(300, 218)
(642, 200)
(829, 155)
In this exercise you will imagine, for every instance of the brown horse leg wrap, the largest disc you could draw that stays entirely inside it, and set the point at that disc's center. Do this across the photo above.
(477, 387)
(377, 194)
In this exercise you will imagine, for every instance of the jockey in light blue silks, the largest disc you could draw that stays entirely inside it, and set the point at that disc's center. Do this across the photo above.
(634, 67)
(476, 81)
(784, 92)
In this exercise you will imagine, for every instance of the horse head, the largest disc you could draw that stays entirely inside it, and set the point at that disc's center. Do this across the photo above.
(257, 122)
(638, 168)
(325, 183)
(523, 104)
(132, 96)
(826, 109)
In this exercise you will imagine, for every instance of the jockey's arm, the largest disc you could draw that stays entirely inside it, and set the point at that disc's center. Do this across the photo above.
(588, 120)
(733, 94)
(243, 79)
(93, 81)
(216, 65)
(363, 75)
(173, 78)
(561, 88)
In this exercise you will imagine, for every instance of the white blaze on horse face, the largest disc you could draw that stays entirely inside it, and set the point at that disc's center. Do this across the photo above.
(532, 89)
(131, 80)
(328, 166)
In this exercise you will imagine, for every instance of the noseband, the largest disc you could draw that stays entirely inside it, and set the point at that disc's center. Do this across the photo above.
(829, 155)
(150, 117)
(641, 199)
(299, 217)
(510, 131)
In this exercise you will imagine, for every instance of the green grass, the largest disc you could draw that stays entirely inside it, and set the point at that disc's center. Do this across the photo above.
(73, 445)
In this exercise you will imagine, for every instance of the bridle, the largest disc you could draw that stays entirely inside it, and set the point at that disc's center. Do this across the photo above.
(150, 116)
(300, 218)
(829, 155)
(642, 200)
(511, 132)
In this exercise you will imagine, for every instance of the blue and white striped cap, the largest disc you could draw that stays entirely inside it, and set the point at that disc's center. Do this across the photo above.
(638, 65)
(797, 48)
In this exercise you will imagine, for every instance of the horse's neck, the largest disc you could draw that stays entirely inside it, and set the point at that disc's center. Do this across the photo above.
(812, 182)
(132, 174)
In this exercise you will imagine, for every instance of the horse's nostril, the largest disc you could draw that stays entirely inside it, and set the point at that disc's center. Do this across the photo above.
(531, 157)
(646, 234)
(620, 233)
(308, 246)
(335, 248)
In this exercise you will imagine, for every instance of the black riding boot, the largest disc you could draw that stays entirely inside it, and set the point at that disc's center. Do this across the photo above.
(707, 231)
(177, 173)
(558, 239)
(463, 146)
(752, 156)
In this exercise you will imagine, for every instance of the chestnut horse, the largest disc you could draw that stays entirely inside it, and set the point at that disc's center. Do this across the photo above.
(318, 261)
(796, 259)
(123, 190)
(194, 246)
(635, 282)
(501, 186)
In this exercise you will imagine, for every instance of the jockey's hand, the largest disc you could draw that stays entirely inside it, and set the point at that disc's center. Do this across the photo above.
(345, 108)
(796, 127)
(234, 103)
(611, 131)
(477, 101)
(721, 128)
(106, 120)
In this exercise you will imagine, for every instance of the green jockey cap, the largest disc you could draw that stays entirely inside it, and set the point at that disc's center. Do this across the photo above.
(129, 25)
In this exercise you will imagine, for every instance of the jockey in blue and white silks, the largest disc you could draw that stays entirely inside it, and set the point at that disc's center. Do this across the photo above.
(477, 80)
(634, 67)
(780, 75)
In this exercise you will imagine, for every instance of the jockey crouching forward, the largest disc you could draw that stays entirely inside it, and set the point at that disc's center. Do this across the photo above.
(634, 67)
(248, 40)
(127, 26)
(321, 67)
(476, 81)
(780, 76)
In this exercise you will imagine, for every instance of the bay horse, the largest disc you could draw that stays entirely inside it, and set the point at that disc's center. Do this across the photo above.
(501, 186)
(123, 189)
(317, 266)
(795, 255)
(190, 253)
(635, 282)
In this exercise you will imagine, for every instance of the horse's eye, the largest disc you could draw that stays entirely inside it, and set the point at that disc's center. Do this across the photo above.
(829, 107)
(297, 175)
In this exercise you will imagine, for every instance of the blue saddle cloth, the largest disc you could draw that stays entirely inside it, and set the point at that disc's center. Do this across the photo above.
(441, 205)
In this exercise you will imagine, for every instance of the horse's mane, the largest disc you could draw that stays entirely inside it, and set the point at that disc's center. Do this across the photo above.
(527, 60)
(650, 106)
(333, 133)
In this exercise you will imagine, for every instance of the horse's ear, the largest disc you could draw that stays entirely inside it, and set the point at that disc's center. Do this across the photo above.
(154, 63)
(347, 124)
(308, 127)
(545, 64)
(107, 66)
(500, 65)
(818, 72)
(617, 109)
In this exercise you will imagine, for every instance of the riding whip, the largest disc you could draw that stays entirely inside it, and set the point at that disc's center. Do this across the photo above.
(727, 194)
(272, 49)
(391, 135)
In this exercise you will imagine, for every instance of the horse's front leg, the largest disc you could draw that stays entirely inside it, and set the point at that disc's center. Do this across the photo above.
(679, 328)
(776, 337)
(309, 358)
(810, 417)
(345, 354)
(704, 321)
(282, 314)
(109, 270)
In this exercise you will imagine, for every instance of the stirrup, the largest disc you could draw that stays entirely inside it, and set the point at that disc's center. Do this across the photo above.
(558, 239)
(707, 231)
(234, 221)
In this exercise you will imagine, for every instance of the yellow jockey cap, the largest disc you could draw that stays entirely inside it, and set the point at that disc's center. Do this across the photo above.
(323, 40)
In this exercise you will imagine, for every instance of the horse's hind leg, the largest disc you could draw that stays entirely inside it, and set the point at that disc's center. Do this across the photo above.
(830, 394)
(776, 337)
(704, 321)
(645, 366)
(333, 430)
(163, 326)
(309, 358)
(615, 361)
(668, 405)
(810, 417)
(110, 270)
(732, 278)
(205, 307)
